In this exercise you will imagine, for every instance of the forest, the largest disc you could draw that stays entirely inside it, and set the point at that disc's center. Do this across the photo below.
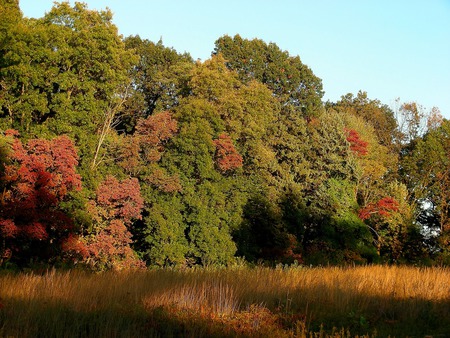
(121, 153)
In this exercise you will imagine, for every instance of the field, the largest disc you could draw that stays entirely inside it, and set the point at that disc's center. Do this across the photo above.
(371, 301)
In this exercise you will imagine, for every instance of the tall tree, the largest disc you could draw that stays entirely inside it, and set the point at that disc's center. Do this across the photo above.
(425, 168)
(66, 73)
(222, 125)
(291, 81)
(159, 79)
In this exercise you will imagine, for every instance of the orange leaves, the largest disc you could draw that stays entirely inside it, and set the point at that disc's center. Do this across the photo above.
(227, 157)
(74, 247)
(384, 207)
(357, 145)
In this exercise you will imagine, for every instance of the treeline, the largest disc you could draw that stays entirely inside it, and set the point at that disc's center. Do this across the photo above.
(120, 152)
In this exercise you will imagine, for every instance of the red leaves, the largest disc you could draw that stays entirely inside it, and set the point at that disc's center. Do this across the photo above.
(358, 146)
(35, 230)
(156, 129)
(8, 229)
(383, 207)
(146, 145)
(116, 205)
(227, 157)
(38, 177)
(43, 168)
(121, 199)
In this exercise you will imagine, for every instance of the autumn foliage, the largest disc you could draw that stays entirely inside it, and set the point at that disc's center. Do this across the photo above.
(147, 143)
(117, 204)
(227, 157)
(38, 177)
(153, 131)
(384, 207)
(357, 145)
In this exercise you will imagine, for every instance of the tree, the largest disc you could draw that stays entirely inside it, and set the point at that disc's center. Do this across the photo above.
(378, 115)
(116, 205)
(66, 73)
(292, 82)
(220, 140)
(323, 214)
(39, 176)
(414, 121)
(10, 17)
(159, 80)
(425, 169)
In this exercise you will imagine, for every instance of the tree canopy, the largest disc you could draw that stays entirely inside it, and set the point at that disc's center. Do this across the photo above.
(118, 152)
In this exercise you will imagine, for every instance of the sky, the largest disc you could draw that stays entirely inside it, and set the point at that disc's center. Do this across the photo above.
(389, 48)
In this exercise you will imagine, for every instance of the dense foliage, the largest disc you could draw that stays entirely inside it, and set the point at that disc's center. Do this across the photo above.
(121, 153)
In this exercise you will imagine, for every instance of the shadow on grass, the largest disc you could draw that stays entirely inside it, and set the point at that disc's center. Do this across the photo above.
(317, 305)
(37, 318)
(361, 314)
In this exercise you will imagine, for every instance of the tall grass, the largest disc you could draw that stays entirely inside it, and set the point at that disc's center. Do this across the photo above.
(234, 302)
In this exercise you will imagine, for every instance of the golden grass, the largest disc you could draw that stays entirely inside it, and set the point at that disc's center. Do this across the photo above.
(234, 302)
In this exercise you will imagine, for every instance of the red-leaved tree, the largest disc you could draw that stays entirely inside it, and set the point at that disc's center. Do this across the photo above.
(357, 145)
(37, 178)
(152, 132)
(227, 157)
(116, 206)
(385, 233)
(384, 207)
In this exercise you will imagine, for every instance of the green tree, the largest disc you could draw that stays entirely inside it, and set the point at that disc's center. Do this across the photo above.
(219, 154)
(66, 73)
(325, 212)
(159, 78)
(291, 81)
(10, 17)
(425, 168)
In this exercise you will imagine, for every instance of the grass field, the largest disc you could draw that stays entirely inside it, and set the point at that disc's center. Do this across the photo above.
(371, 301)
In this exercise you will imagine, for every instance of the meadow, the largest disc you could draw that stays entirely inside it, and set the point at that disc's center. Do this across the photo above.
(367, 301)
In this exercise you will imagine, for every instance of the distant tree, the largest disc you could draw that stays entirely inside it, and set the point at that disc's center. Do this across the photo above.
(414, 120)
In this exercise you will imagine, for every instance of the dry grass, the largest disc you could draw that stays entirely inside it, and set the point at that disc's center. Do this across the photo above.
(235, 302)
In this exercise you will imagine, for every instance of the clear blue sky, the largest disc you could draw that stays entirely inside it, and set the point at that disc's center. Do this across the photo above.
(389, 48)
